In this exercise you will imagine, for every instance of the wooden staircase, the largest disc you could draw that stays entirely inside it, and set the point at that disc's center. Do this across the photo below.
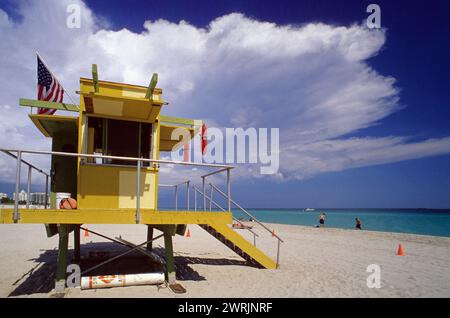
(239, 245)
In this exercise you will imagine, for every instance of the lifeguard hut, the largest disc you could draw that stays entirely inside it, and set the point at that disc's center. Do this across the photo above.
(107, 157)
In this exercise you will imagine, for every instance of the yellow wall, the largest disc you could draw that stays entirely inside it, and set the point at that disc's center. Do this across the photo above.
(118, 89)
(106, 187)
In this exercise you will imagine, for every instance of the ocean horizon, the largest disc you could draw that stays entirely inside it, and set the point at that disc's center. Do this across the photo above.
(435, 222)
(423, 221)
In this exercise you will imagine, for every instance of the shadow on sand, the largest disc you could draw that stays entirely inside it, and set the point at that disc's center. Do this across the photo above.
(41, 277)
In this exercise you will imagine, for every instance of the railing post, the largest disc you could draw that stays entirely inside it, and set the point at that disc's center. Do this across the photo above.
(229, 190)
(46, 191)
(138, 192)
(28, 187)
(195, 199)
(16, 215)
(204, 193)
(278, 254)
(211, 198)
(176, 198)
(187, 183)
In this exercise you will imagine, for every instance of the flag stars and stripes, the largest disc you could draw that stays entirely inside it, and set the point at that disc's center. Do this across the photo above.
(49, 88)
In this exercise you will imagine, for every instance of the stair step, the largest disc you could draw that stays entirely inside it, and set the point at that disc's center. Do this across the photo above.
(235, 248)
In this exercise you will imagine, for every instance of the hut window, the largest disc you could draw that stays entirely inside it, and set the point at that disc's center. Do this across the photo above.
(121, 138)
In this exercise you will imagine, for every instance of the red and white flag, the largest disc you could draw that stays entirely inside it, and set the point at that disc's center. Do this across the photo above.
(204, 138)
(49, 88)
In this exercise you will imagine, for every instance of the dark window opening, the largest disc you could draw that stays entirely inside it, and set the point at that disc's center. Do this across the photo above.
(120, 138)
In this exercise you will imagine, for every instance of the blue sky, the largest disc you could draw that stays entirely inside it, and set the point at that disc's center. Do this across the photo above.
(418, 42)
(413, 52)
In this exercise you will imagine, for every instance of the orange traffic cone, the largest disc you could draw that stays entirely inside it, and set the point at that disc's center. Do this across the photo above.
(273, 233)
(400, 250)
(86, 233)
(188, 233)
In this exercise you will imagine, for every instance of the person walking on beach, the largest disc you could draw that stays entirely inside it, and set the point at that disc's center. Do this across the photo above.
(357, 224)
(322, 220)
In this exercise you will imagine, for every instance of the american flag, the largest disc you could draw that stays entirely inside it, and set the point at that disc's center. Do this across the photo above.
(49, 89)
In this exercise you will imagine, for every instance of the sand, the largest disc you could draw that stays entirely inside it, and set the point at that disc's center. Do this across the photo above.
(313, 263)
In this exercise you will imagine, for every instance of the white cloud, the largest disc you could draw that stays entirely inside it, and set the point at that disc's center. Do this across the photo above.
(4, 21)
(337, 155)
(311, 81)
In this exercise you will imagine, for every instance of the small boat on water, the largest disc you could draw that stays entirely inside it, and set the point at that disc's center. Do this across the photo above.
(309, 210)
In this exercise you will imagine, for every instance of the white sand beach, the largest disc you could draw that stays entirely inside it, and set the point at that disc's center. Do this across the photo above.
(314, 263)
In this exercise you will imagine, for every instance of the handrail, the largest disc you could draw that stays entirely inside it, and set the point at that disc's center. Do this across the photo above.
(16, 215)
(214, 172)
(25, 162)
(228, 186)
(235, 219)
(187, 182)
(181, 183)
(83, 155)
(18, 157)
(248, 213)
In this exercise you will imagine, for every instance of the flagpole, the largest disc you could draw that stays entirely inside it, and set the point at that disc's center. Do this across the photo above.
(42, 60)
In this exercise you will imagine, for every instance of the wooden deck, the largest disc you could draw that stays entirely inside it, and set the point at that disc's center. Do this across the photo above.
(113, 216)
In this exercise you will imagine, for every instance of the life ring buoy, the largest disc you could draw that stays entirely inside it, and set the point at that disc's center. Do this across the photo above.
(68, 204)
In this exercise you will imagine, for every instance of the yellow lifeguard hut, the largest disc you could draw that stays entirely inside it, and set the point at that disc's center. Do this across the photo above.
(107, 158)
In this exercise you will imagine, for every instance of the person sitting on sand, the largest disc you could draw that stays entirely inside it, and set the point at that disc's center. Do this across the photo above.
(241, 226)
(357, 224)
(322, 220)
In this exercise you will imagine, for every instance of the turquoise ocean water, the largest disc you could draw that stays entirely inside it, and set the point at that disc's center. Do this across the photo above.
(416, 221)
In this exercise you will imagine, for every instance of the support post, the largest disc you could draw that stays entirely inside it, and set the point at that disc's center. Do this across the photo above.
(176, 198)
(170, 263)
(211, 198)
(76, 244)
(46, 191)
(16, 200)
(138, 192)
(60, 280)
(204, 193)
(28, 186)
(149, 238)
(195, 199)
(229, 190)
(188, 194)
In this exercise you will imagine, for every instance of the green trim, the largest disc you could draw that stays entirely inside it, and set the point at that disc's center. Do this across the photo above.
(51, 229)
(176, 120)
(62, 252)
(152, 86)
(52, 200)
(76, 244)
(170, 262)
(95, 77)
(51, 105)
(149, 237)
(181, 229)
(166, 228)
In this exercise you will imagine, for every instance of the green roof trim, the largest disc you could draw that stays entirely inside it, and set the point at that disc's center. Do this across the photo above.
(95, 77)
(177, 120)
(151, 86)
(50, 105)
